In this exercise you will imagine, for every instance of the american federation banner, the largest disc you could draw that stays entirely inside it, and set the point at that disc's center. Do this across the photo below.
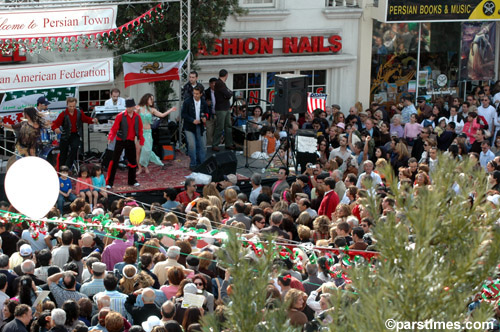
(53, 75)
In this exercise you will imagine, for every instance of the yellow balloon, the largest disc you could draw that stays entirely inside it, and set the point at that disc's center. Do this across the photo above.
(137, 215)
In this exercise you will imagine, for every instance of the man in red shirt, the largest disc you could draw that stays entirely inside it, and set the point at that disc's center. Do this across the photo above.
(127, 126)
(330, 200)
(70, 125)
(189, 194)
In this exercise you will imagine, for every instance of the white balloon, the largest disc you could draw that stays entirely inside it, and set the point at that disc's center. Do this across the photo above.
(32, 186)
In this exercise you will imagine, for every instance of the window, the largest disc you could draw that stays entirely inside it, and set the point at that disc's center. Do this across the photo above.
(248, 86)
(317, 80)
(258, 3)
(92, 98)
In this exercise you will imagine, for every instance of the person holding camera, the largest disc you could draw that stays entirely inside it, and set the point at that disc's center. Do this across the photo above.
(194, 113)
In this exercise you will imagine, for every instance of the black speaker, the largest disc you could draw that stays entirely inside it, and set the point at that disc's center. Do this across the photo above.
(290, 93)
(218, 165)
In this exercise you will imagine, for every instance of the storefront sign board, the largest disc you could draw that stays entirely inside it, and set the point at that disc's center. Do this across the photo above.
(442, 10)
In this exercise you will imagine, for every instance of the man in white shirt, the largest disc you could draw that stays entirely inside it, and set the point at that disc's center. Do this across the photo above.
(457, 119)
(486, 154)
(368, 167)
(488, 112)
(342, 151)
(116, 100)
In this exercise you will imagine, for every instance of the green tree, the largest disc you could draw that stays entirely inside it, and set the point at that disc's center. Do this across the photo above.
(207, 23)
(250, 276)
(435, 254)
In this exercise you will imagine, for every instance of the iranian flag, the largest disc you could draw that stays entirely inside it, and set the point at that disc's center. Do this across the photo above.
(152, 67)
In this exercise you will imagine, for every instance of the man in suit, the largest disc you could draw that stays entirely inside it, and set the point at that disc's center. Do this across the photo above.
(210, 99)
(194, 113)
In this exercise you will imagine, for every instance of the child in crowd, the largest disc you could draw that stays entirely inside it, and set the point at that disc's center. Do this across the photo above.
(412, 129)
(99, 183)
(84, 185)
(65, 188)
(268, 140)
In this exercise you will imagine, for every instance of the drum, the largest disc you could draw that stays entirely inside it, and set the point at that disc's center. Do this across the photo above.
(50, 154)
(45, 136)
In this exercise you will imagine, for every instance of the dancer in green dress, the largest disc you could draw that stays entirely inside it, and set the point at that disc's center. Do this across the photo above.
(145, 154)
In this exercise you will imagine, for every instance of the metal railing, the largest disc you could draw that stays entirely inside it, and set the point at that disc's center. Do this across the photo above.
(341, 3)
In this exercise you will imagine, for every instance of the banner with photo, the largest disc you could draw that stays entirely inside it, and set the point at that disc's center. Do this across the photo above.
(13, 102)
(478, 51)
(442, 10)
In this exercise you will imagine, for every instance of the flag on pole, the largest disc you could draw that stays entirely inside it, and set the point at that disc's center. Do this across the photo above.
(316, 100)
(152, 67)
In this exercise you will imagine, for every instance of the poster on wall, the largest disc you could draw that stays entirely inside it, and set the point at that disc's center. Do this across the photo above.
(478, 51)
(442, 10)
(423, 76)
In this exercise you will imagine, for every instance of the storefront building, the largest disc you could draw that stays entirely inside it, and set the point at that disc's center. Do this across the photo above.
(314, 38)
(446, 49)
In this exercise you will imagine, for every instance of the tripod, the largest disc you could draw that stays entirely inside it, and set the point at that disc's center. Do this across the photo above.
(288, 147)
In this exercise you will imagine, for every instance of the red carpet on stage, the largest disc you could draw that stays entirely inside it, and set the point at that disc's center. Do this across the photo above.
(173, 176)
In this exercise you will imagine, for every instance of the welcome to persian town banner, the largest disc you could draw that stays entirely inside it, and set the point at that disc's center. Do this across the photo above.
(442, 10)
(48, 75)
(56, 22)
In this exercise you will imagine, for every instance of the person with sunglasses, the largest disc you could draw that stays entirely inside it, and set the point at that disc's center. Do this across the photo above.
(201, 284)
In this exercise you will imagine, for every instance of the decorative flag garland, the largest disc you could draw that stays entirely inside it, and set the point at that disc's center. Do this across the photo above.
(297, 254)
(71, 43)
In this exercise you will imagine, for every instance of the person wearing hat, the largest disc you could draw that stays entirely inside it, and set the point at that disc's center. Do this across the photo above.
(42, 104)
(423, 109)
(70, 125)
(127, 126)
(96, 285)
(26, 253)
(229, 181)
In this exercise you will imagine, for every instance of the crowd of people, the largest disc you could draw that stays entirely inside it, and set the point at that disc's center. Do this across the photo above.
(132, 282)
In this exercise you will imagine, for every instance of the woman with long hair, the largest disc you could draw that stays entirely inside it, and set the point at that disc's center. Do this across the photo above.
(400, 156)
(295, 302)
(146, 112)
(26, 293)
(28, 132)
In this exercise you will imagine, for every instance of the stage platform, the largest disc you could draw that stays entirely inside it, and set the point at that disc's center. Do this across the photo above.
(175, 172)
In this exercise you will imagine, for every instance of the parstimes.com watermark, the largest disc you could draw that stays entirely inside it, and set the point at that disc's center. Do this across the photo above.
(431, 325)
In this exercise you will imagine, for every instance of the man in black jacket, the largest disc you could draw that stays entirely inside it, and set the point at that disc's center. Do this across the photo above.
(223, 113)
(141, 314)
(194, 113)
(210, 99)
